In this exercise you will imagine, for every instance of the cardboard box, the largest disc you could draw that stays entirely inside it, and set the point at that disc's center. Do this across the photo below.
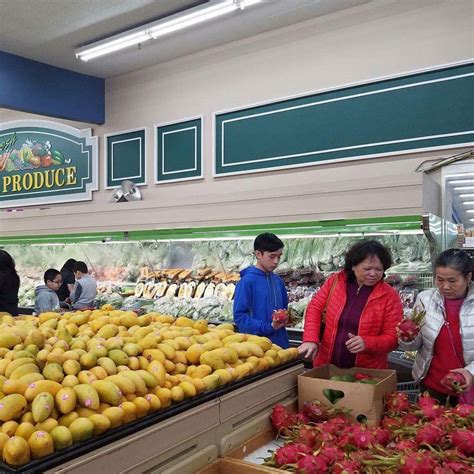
(364, 400)
(232, 466)
(250, 446)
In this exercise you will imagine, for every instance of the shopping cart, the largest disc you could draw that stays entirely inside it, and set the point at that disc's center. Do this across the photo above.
(412, 390)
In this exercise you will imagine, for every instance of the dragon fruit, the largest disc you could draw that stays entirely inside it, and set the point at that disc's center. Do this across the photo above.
(409, 327)
(280, 315)
(311, 465)
(306, 435)
(362, 438)
(429, 434)
(429, 407)
(417, 462)
(315, 411)
(280, 418)
(397, 403)
(464, 410)
(463, 440)
(331, 454)
(346, 467)
(454, 381)
(291, 453)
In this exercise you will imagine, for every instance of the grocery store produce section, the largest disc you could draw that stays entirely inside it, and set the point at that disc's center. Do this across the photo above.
(65, 379)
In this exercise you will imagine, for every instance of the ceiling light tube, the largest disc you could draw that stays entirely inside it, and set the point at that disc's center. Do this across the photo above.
(464, 188)
(461, 181)
(458, 175)
(466, 195)
(470, 211)
(468, 203)
(193, 16)
(108, 46)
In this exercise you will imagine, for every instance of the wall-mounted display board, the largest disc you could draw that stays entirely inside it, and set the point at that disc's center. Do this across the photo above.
(125, 154)
(417, 112)
(44, 162)
(178, 152)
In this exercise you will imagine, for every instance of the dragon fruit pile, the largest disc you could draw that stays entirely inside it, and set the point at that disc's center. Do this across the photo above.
(411, 439)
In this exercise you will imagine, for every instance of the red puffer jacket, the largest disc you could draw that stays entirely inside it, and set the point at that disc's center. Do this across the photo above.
(377, 325)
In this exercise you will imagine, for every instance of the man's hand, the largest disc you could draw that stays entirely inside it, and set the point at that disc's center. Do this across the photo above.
(355, 344)
(308, 350)
(278, 324)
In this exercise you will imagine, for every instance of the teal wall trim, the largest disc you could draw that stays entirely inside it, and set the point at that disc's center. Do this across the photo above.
(418, 112)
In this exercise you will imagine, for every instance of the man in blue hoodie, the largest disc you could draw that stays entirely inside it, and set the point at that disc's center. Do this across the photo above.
(260, 292)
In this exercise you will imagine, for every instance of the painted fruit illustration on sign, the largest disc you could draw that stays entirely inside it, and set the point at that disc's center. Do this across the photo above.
(30, 155)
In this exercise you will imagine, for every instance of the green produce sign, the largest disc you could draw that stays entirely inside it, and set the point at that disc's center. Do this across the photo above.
(45, 162)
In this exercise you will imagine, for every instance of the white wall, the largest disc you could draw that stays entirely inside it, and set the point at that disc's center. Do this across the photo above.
(376, 40)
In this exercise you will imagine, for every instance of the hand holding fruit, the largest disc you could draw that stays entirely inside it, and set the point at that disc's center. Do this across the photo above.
(408, 328)
(457, 380)
(279, 318)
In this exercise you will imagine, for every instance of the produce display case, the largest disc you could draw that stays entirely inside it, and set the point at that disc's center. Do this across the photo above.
(181, 438)
(168, 269)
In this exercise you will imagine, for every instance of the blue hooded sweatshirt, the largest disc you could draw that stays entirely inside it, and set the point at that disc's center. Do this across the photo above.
(257, 295)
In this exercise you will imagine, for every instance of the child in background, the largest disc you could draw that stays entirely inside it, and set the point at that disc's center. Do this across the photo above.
(260, 293)
(46, 298)
(85, 288)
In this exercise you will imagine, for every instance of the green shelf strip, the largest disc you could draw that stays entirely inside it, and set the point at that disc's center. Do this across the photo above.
(367, 225)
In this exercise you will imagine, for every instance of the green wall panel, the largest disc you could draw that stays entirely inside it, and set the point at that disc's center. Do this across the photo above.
(179, 151)
(125, 154)
(416, 112)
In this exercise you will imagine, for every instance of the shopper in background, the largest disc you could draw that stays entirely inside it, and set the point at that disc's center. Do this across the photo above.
(85, 288)
(46, 298)
(9, 284)
(68, 280)
(445, 342)
(260, 293)
(352, 320)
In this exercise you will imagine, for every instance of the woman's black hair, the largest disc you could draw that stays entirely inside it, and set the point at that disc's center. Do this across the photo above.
(363, 249)
(69, 265)
(456, 259)
(6, 262)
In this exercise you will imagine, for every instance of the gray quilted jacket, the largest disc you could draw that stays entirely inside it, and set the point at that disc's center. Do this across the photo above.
(433, 302)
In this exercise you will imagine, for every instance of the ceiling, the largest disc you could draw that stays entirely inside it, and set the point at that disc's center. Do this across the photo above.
(50, 30)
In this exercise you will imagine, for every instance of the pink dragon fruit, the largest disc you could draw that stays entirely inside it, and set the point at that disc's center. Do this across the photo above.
(291, 453)
(454, 381)
(311, 465)
(408, 328)
(315, 411)
(397, 403)
(429, 434)
(463, 440)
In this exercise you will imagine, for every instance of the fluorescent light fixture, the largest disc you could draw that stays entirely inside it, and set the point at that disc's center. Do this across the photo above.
(464, 188)
(471, 220)
(458, 175)
(468, 203)
(466, 195)
(190, 17)
(470, 211)
(462, 181)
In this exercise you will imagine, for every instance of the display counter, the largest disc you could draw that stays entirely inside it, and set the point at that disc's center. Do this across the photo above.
(182, 438)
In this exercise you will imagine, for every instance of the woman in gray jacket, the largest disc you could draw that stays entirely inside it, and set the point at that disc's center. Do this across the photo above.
(445, 342)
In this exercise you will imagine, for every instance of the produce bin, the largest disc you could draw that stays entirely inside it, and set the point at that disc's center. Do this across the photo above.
(177, 440)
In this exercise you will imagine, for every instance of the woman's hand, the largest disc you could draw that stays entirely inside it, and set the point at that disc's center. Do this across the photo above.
(467, 375)
(355, 344)
(308, 350)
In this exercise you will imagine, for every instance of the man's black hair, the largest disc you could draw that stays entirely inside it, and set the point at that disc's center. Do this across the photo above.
(80, 267)
(267, 242)
(50, 274)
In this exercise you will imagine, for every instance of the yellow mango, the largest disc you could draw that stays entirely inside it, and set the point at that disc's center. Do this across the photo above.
(62, 437)
(125, 385)
(66, 400)
(87, 396)
(12, 407)
(115, 416)
(16, 451)
(101, 423)
(41, 444)
(108, 392)
(81, 429)
(42, 406)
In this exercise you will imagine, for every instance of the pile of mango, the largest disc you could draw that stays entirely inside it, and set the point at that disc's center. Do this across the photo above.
(66, 378)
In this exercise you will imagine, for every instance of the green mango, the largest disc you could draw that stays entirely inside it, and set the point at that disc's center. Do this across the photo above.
(337, 378)
(348, 378)
(369, 381)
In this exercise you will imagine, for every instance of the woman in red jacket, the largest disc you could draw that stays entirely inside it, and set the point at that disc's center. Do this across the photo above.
(361, 312)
